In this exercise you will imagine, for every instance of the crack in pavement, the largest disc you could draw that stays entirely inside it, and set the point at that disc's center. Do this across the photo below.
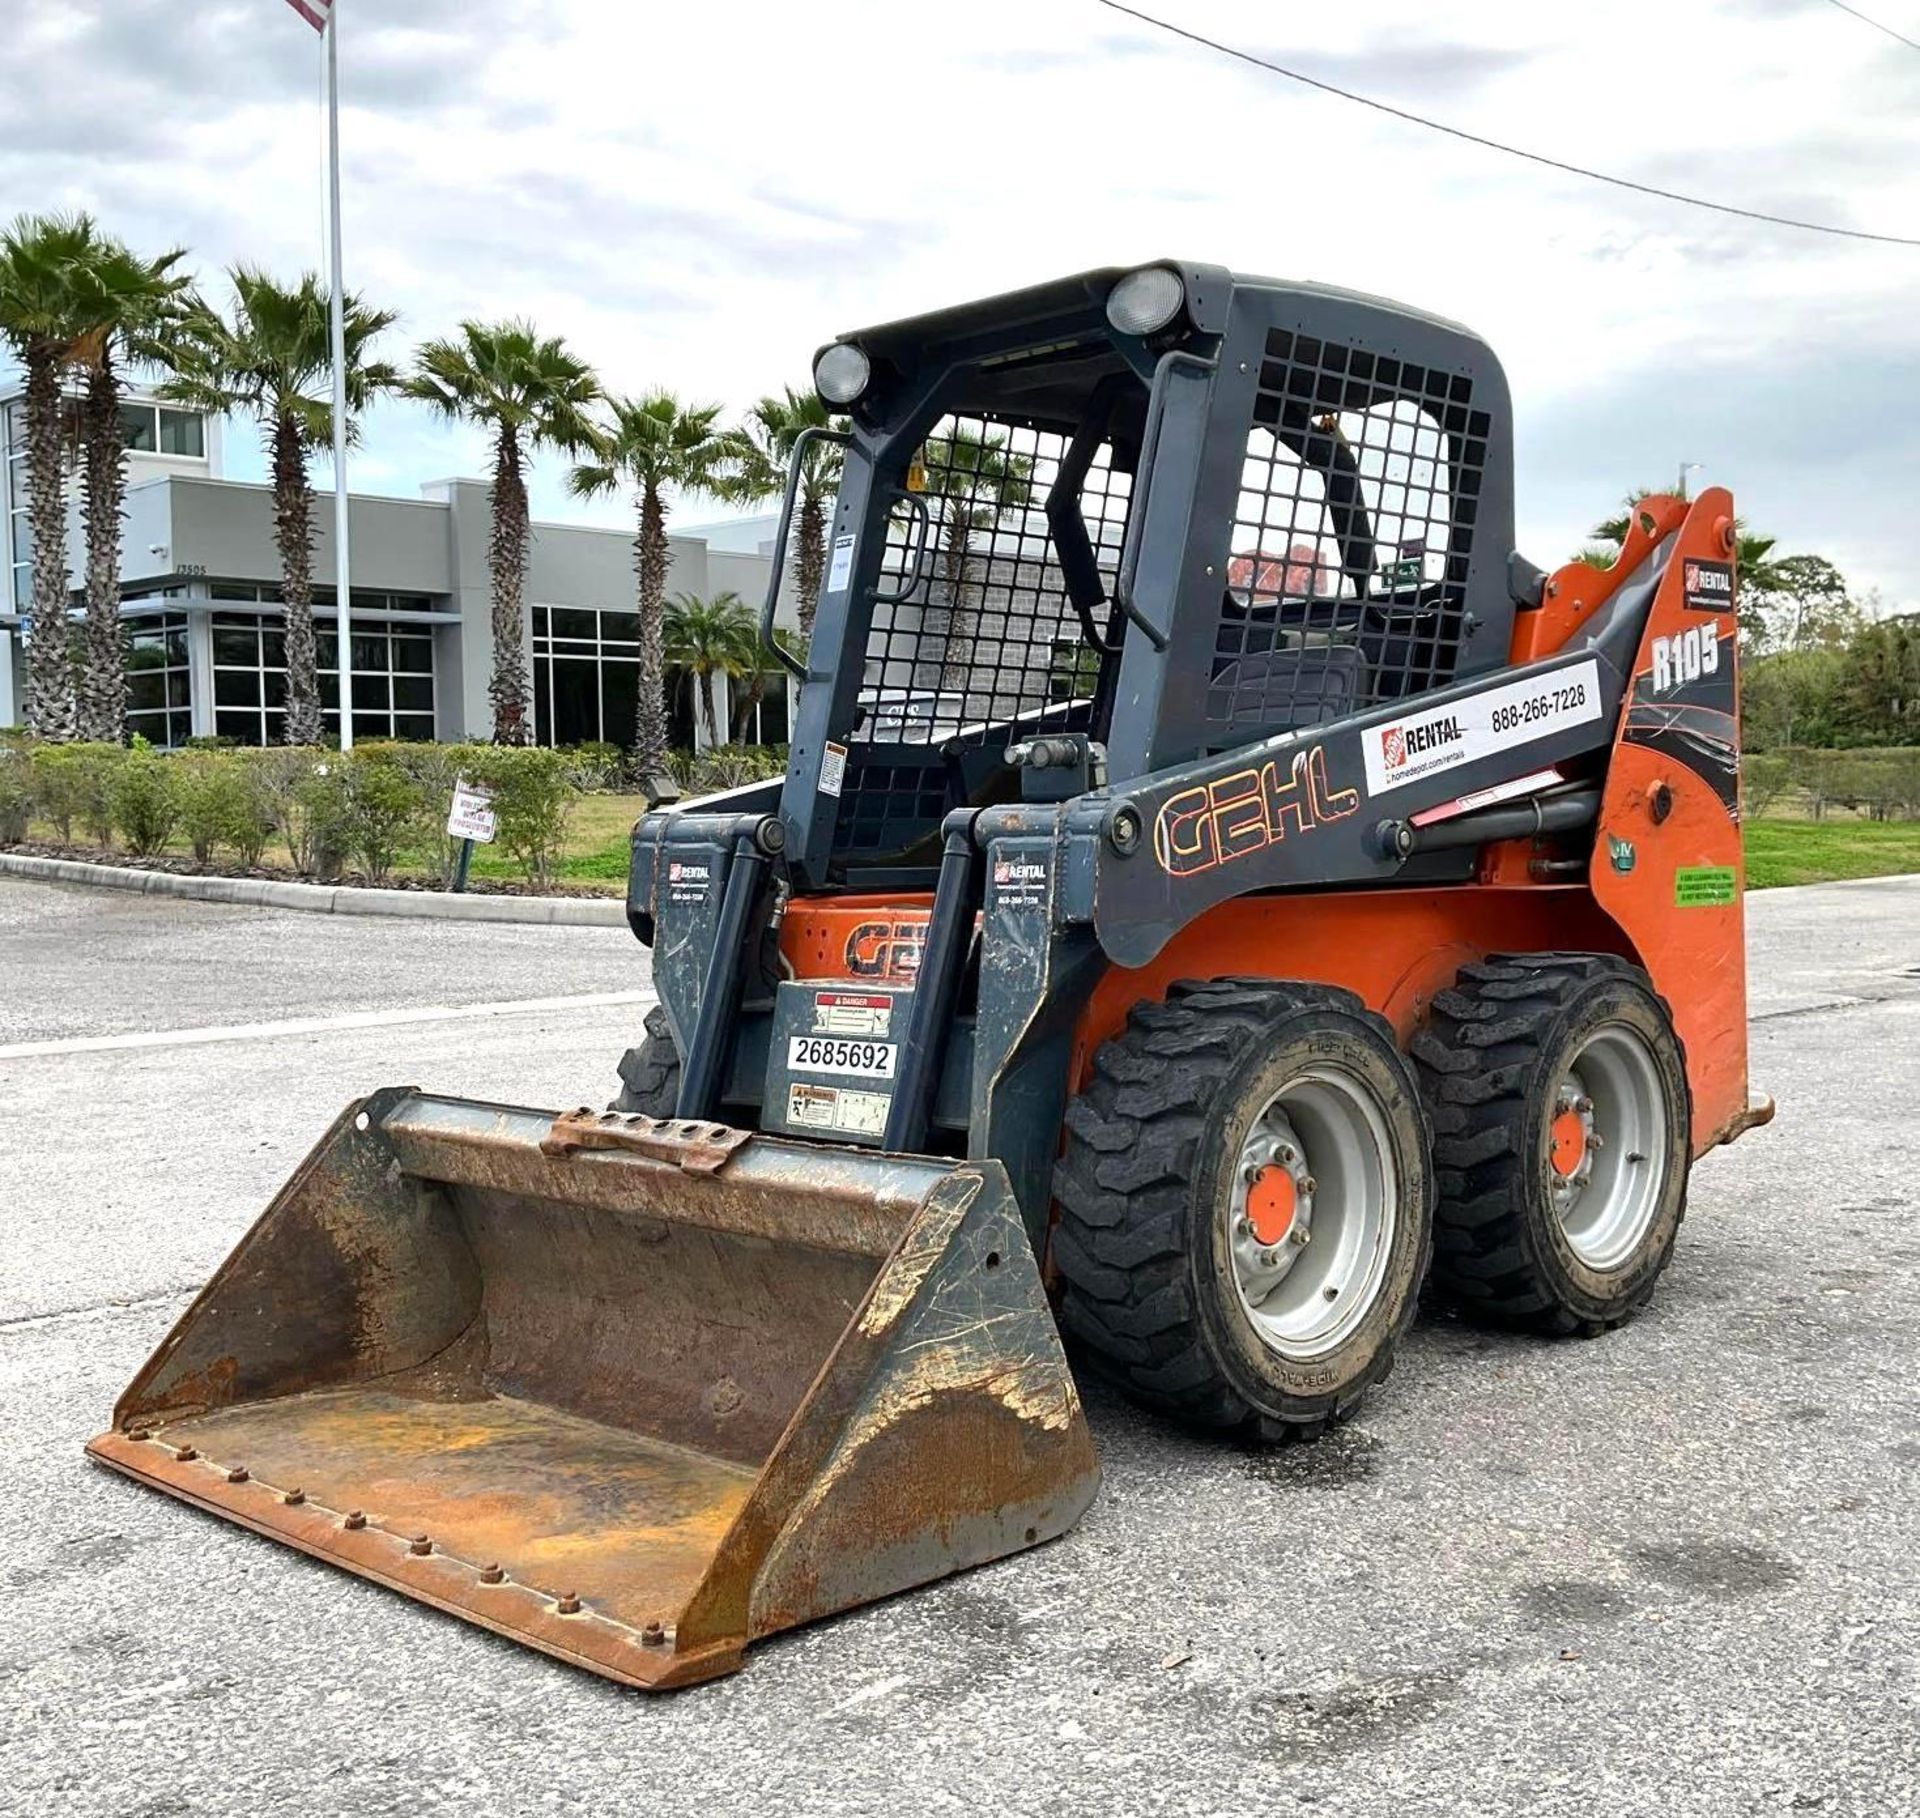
(25, 1321)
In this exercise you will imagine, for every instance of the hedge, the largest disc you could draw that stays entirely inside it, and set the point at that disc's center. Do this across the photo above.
(373, 806)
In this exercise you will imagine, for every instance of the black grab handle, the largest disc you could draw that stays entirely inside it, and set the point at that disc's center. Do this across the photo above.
(796, 465)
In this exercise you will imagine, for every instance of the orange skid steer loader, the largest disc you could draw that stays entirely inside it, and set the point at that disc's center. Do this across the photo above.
(1218, 884)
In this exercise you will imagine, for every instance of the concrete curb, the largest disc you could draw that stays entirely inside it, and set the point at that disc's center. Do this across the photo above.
(325, 899)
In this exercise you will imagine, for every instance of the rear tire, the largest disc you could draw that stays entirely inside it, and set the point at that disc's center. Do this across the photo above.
(1174, 1217)
(650, 1073)
(1562, 1134)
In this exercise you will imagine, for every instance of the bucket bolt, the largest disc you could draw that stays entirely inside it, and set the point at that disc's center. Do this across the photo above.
(569, 1604)
(294, 1497)
(653, 1636)
(420, 1544)
(492, 1574)
(238, 1474)
(354, 1520)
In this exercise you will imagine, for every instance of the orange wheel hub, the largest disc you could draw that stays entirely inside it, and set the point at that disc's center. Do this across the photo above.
(1271, 1200)
(1569, 1148)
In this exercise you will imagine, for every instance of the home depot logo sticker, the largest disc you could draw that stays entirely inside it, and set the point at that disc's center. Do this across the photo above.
(1707, 586)
(1017, 881)
(1399, 745)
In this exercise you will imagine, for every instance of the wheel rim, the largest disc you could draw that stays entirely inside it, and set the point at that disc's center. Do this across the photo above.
(1606, 1147)
(1311, 1215)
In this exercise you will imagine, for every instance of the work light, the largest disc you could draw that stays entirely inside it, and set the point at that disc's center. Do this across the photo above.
(1145, 300)
(840, 374)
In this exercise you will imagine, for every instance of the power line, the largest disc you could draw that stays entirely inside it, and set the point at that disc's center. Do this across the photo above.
(1512, 151)
(1898, 37)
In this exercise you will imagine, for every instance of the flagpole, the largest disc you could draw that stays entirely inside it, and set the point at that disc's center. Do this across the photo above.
(342, 590)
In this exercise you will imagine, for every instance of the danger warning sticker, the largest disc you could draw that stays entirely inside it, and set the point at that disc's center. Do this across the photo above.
(851, 1013)
(833, 769)
(1421, 745)
(837, 1108)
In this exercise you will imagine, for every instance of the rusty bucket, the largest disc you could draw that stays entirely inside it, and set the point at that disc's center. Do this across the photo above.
(633, 1392)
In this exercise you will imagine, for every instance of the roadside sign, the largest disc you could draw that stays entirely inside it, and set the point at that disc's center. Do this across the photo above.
(471, 816)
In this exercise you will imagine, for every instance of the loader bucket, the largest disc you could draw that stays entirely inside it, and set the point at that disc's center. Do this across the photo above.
(632, 1392)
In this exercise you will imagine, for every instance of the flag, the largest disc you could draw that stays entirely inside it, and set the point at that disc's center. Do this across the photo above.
(315, 12)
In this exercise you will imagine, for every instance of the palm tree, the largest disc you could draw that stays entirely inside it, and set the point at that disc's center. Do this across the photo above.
(128, 309)
(976, 479)
(38, 254)
(706, 638)
(772, 427)
(273, 358)
(528, 393)
(657, 445)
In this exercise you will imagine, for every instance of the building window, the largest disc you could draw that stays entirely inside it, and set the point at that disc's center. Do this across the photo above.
(14, 481)
(586, 675)
(392, 680)
(157, 687)
(162, 429)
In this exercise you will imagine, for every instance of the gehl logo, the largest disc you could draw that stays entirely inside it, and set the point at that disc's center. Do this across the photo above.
(1247, 812)
(885, 950)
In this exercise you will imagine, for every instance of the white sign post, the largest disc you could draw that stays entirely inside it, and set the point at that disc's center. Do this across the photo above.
(470, 820)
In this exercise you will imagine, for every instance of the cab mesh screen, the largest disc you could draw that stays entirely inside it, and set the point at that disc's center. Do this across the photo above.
(1346, 574)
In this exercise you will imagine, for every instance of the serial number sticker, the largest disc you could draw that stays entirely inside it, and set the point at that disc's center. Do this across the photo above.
(840, 570)
(849, 1013)
(839, 1054)
(1443, 738)
(833, 770)
(837, 1108)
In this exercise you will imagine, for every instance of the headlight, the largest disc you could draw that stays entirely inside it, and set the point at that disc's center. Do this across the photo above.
(1145, 300)
(841, 373)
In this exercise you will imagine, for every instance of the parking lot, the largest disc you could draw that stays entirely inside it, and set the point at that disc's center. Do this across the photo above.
(1672, 1571)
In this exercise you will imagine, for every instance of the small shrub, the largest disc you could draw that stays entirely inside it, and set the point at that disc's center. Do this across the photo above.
(729, 766)
(75, 783)
(145, 800)
(533, 796)
(1764, 777)
(16, 792)
(597, 765)
(204, 788)
(383, 805)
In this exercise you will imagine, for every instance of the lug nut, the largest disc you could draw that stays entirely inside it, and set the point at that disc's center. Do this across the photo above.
(1302, 1236)
(1286, 1153)
(1583, 1105)
(569, 1604)
(1250, 1173)
(1595, 1140)
(1309, 1186)
(354, 1520)
(1270, 1259)
(653, 1635)
(491, 1574)
(420, 1544)
(1243, 1227)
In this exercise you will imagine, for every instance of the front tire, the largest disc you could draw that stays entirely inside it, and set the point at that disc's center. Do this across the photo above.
(1245, 1205)
(1562, 1133)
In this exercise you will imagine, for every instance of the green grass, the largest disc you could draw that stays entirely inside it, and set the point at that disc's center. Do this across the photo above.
(1819, 852)
(598, 836)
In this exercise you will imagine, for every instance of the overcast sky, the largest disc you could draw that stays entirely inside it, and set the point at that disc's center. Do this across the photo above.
(698, 195)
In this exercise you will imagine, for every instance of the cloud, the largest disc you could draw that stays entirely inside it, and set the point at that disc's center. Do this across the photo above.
(698, 196)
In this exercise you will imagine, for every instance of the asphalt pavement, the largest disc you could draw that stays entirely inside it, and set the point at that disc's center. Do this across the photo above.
(1672, 1571)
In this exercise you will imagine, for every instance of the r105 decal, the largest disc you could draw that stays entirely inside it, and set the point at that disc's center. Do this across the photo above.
(1685, 657)
(1247, 812)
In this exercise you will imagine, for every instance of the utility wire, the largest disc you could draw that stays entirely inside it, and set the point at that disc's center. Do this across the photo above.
(1898, 37)
(1512, 151)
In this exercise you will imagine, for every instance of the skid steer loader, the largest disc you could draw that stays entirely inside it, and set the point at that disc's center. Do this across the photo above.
(1217, 884)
